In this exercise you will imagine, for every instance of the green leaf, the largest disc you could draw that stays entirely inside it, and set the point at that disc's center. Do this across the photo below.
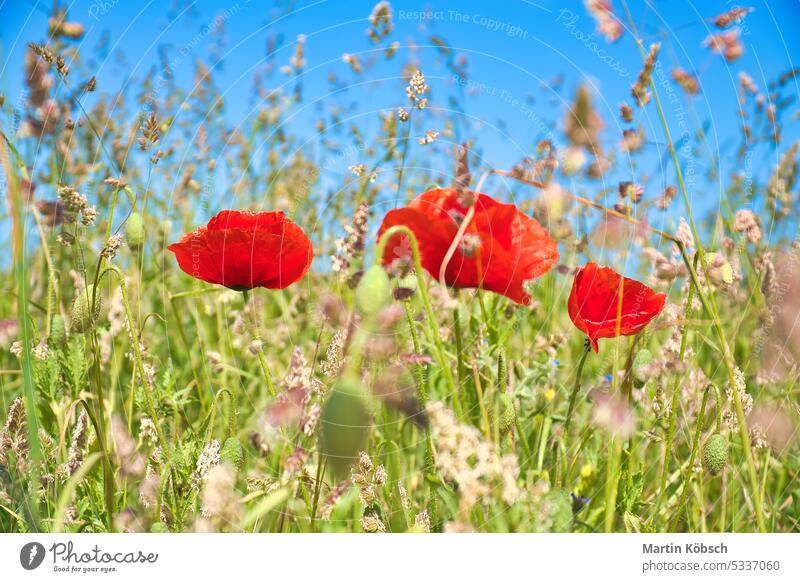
(269, 503)
(69, 490)
(630, 490)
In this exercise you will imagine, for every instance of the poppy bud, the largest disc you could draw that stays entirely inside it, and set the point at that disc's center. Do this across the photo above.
(134, 231)
(344, 421)
(58, 332)
(715, 454)
(506, 413)
(374, 291)
(232, 453)
(643, 357)
(84, 316)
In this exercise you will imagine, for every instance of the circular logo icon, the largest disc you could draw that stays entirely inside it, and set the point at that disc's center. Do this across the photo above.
(31, 555)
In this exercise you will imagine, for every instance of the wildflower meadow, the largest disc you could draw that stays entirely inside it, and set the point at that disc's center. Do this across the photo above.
(391, 267)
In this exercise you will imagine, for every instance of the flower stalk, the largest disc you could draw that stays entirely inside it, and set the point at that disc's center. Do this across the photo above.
(426, 302)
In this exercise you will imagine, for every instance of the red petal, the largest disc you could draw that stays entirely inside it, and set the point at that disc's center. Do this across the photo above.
(433, 238)
(243, 250)
(596, 309)
(228, 219)
(513, 247)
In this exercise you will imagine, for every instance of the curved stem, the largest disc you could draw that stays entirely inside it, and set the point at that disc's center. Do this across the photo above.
(426, 301)
(137, 357)
(674, 402)
(709, 303)
(737, 400)
(693, 455)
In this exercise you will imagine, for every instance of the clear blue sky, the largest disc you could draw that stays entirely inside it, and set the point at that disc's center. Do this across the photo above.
(515, 49)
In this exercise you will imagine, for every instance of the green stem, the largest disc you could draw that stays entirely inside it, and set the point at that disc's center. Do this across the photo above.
(693, 454)
(547, 422)
(430, 466)
(563, 468)
(406, 140)
(459, 347)
(737, 401)
(426, 302)
(321, 461)
(576, 387)
(267, 376)
(137, 358)
(20, 263)
(612, 482)
(674, 401)
(185, 341)
(709, 303)
(261, 359)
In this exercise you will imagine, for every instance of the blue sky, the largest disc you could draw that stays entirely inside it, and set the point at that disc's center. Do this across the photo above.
(515, 51)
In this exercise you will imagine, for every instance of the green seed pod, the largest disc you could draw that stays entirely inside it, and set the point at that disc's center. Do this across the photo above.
(642, 358)
(506, 413)
(159, 527)
(232, 452)
(373, 292)
(134, 231)
(58, 331)
(83, 317)
(344, 422)
(715, 454)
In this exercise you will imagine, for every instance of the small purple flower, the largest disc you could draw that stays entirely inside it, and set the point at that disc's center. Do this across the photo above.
(578, 502)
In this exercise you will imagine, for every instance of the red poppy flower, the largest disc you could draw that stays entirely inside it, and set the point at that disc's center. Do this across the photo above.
(594, 303)
(243, 250)
(500, 250)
